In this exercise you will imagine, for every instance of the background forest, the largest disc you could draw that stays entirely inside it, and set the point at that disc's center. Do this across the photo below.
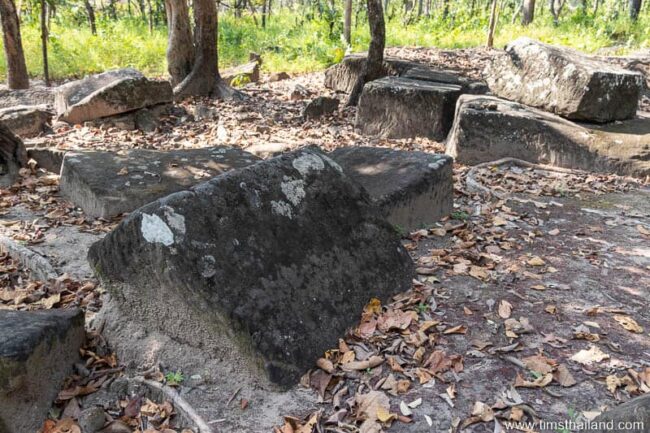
(95, 35)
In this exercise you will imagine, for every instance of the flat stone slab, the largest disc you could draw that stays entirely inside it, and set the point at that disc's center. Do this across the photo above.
(37, 351)
(262, 268)
(106, 184)
(108, 94)
(342, 76)
(394, 107)
(487, 128)
(412, 189)
(423, 73)
(564, 82)
(26, 120)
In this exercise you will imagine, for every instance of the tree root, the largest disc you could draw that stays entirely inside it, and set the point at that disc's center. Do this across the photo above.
(179, 403)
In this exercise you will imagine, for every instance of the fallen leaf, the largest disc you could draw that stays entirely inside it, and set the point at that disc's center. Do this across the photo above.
(590, 356)
(536, 261)
(629, 323)
(505, 309)
(563, 376)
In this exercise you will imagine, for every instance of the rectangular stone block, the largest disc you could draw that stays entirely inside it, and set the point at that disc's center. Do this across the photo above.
(412, 189)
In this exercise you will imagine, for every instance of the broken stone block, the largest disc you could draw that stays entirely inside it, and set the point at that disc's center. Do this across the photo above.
(279, 76)
(26, 120)
(37, 352)
(564, 82)
(487, 128)
(13, 156)
(320, 107)
(242, 74)
(108, 94)
(423, 73)
(106, 184)
(342, 76)
(394, 107)
(262, 268)
(412, 189)
(632, 416)
(47, 158)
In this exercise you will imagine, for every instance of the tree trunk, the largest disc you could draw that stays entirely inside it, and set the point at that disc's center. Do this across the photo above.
(44, 35)
(204, 79)
(91, 16)
(17, 77)
(374, 67)
(528, 13)
(493, 24)
(347, 22)
(263, 14)
(635, 9)
(180, 47)
(150, 10)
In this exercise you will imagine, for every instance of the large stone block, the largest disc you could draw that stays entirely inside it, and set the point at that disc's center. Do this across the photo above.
(106, 184)
(37, 351)
(262, 268)
(13, 156)
(394, 107)
(342, 76)
(564, 82)
(488, 128)
(108, 94)
(632, 416)
(26, 120)
(412, 189)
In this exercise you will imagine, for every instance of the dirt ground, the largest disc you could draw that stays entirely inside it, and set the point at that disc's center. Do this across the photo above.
(528, 307)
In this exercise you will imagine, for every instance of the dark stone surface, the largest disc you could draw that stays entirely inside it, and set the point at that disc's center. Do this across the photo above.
(26, 120)
(342, 76)
(37, 351)
(47, 158)
(487, 128)
(423, 73)
(564, 82)
(108, 94)
(320, 107)
(630, 417)
(13, 156)
(272, 262)
(413, 189)
(394, 107)
(105, 184)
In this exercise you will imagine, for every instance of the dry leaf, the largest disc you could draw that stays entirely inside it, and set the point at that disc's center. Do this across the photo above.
(536, 261)
(563, 376)
(590, 356)
(629, 323)
(505, 309)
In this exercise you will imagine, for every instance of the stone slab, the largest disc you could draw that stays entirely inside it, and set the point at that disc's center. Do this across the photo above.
(487, 128)
(47, 158)
(394, 107)
(564, 82)
(26, 120)
(262, 268)
(423, 73)
(412, 189)
(105, 184)
(37, 352)
(342, 76)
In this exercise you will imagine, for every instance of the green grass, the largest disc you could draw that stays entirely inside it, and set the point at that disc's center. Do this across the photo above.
(293, 42)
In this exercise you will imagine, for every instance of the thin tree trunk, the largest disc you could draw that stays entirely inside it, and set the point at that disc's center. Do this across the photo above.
(528, 14)
(635, 9)
(263, 14)
(91, 16)
(347, 22)
(150, 10)
(493, 24)
(44, 35)
(17, 77)
(374, 67)
(180, 46)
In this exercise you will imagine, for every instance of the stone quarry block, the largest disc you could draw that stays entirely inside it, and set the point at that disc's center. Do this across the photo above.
(632, 416)
(26, 120)
(320, 107)
(47, 158)
(394, 107)
(105, 184)
(342, 76)
(262, 268)
(564, 82)
(108, 94)
(423, 73)
(487, 128)
(13, 156)
(37, 351)
(412, 189)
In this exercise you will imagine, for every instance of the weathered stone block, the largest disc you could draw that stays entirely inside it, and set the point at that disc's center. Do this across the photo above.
(632, 416)
(342, 76)
(488, 128)
(423, 73)
(47, 158)
(564, 82)
(395, 107)
(320, 107)
(412, 189)
(108, 94)
(26, 120)
(13, 156)
(105, 184)
(262, 268)
(37, 351)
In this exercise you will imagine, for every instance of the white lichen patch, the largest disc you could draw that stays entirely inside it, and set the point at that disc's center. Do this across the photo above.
(208, 268)
(154, 230)
(308, 162)
(293, 190)
(175, 221)
(281, 208)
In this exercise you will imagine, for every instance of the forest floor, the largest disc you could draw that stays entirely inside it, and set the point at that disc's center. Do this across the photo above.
(528, 307)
